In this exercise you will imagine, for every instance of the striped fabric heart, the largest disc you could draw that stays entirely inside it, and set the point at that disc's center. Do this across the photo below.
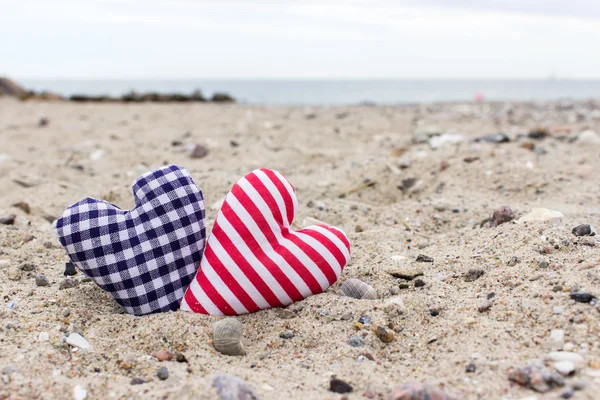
(253, 260)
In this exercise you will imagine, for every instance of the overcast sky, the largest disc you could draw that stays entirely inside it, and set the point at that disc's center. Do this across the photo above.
(463, 39)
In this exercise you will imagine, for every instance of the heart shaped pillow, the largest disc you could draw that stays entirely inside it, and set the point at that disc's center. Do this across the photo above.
(253, 260)
(145, 257)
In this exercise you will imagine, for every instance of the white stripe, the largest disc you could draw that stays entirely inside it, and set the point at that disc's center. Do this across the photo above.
(266, 247)
(276, 195)
(202, 298)
(318, 246)
(276, 229)
(237, 273)
(222, 288)
(290, 190)
(336, 240)
(243, 248)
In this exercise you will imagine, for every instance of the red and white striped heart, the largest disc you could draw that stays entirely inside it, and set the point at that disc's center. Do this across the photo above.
(253, 260)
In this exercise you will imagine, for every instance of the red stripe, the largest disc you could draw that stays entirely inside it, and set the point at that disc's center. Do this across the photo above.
(229, 280)
(251, 242)
(287, 198)
(324, 240)
(311, 253)
(339, 234)
(213, 294)
(260, 219)
(244, 265)
(193, 303)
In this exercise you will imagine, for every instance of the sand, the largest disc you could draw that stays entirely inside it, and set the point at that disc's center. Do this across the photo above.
(97, 150)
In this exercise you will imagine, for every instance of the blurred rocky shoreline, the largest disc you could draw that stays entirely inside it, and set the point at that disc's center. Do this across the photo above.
(12, 89)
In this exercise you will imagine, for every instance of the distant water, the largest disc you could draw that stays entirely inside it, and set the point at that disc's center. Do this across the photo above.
(337, 92)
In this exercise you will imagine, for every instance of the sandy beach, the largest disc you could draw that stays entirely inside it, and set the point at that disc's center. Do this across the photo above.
(493, 299)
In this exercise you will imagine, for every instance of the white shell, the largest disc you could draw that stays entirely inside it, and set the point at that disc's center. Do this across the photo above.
(358, 289)
(227, 337)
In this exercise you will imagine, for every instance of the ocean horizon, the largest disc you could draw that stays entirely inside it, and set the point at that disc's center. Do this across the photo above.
(336, 92)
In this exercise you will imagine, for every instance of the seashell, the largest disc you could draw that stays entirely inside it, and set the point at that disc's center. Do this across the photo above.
(358, 289)
(419, 391)
(227, 337)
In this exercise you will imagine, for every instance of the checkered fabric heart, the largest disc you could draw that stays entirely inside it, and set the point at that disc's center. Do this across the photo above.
(145, 257)
(253, 259)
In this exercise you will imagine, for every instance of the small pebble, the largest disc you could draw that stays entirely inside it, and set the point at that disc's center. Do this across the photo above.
(284, 313)
(137, 381)
(567, 393)
(473, 275)
(565, 368)
(339, 386)
(434, 312)
(70, 269)
(502, 215)
(558, 310)
(199, 151)
(584, 230)
(419, 283)
(582, 297)
(365, 320)
(471, 367)
(68, 283)
(542, 263)
(286, 335)
(424, 258)
(41, 280)
(405, 273)
(231, 387)
(180, 357)
(163, 355)
(384, 335)
(514, 260)
(7, 220)
(27, 267)
(162, 373)
(484, 306)
(14, 274)
(66, 312)
(356, 341)
(43, 337)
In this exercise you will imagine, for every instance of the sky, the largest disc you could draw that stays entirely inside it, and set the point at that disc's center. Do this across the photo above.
(304, 39)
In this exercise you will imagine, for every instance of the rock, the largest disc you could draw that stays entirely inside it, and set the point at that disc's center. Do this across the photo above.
(514, 260)
(339, 386)
(43, 122)
(538, 133)
(41, 280)
(8, 220)
(286, 335)
(384, 335)
(79, 393)
(68, 284)
(162, 373)
(582, 297)
(471, 159)
(542, 263)
(405, 273)
(76, 340)
(484, 306)
(419, 391)
(565, 368)
(231, 387)
(356, 341)
(199, 151)
(584, 230)
(23, 206)
(284, 313)
(446, 139)
(70, 269)
(473, 275)
(565, 356)
(180, 357)
(567, 393)
(163, 355)
(424, 258)
(137, 381)
(536, 378)
(14, 274)
(588, 138)
(541, 214)
(502, 215)
(419, 283)
(11, 89)
(494, 138)
(471, 367)
(222, 98)
(27, 267)
(394, 304)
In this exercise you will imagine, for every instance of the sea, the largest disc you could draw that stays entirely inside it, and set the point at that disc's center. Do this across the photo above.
(339, 92)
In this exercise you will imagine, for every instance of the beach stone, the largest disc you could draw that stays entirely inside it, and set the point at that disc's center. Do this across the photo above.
(284, 313)
(502, 215)
(199, 151)
(27, 267)
(394, 305)
(588, 137)
(231, 387)
(14, 274)
(7, 220)
(180, 357)
(137, 381)
(473, 274)
(582, 297)
(162, 373)
(163, 355)
(419, 283)
(384, 335)
(68, 284)
(558, 310)
(419, 391)
(70, 269)
(286, 335)
(565, 356)
(356, 341)
(79, 393)
(565, 368)
(484, 306)
(424, 258)
(514, 260)
(406, 273)
(584, 230)
(471, 367)
(4, 264)
(339, 386)
(567, 393)
(541, 214)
